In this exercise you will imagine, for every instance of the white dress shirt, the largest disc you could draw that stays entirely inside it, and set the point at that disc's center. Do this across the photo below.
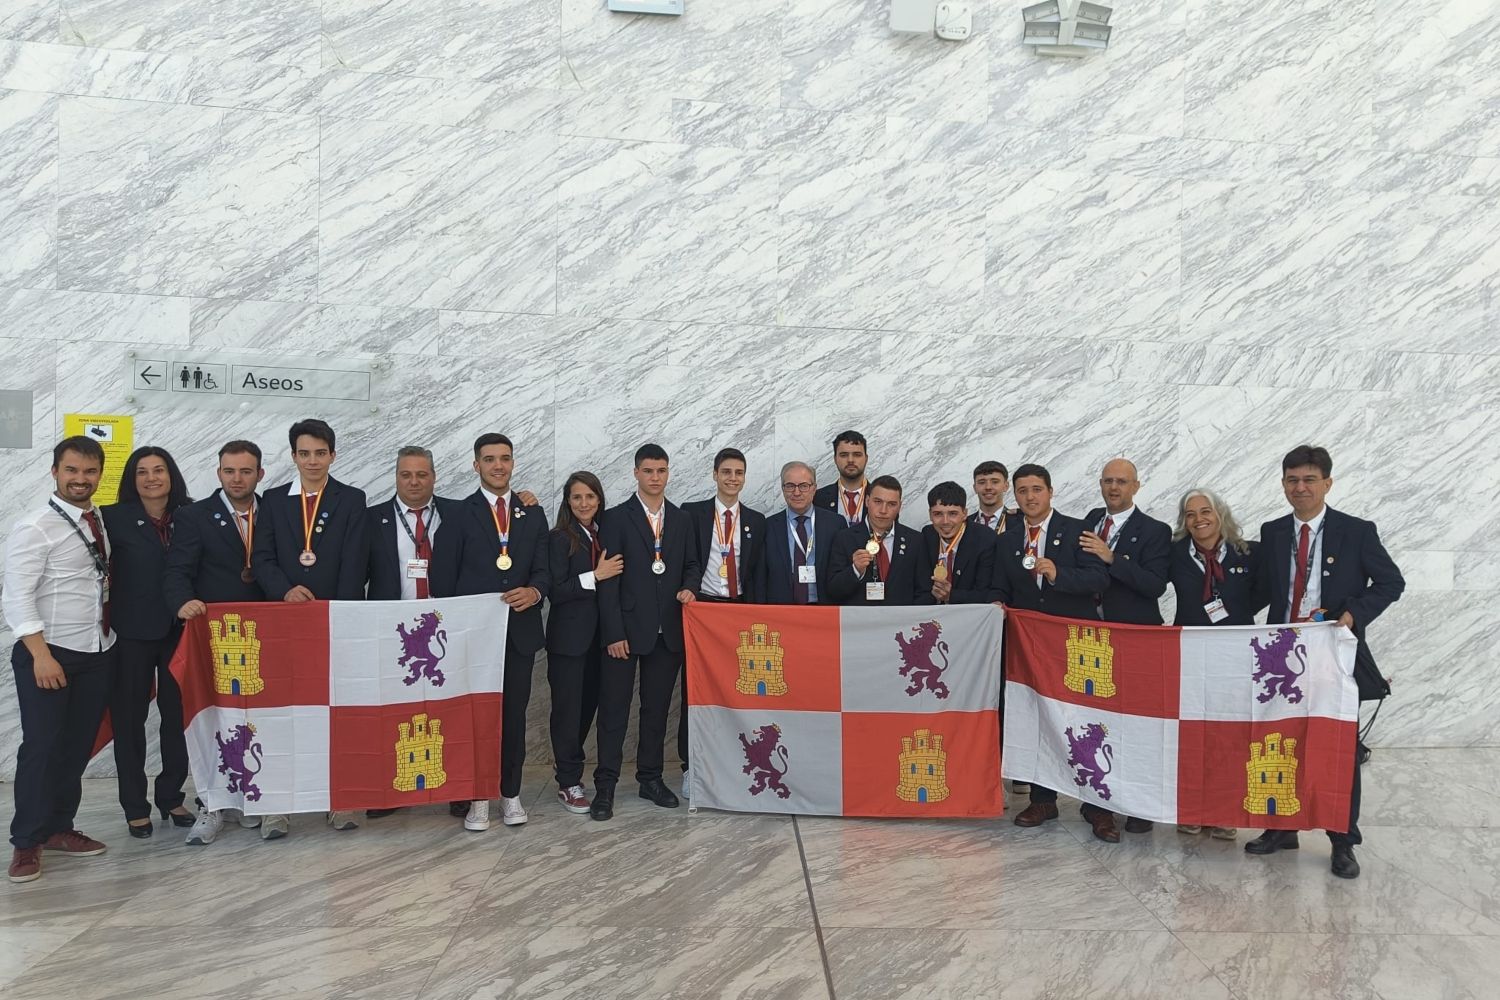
(1314, 591)
(713, 583)
(52, 581)
(1116, 525)
(991, 521)
(406, 544)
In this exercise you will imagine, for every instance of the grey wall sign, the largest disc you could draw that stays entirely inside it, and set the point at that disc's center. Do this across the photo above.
(15, 418)
(218, 379)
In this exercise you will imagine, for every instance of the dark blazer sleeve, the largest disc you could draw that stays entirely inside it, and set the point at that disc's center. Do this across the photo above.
(755, 592)
(263, 555)
(1087, 573)
(692, 562)
(981, 589)
(540, 575)
(1148, 573)
(611, 614)
(843, 582)
(1386, 582)
(563, 586)
(355, 564)
(1260, 589)
(182, 557)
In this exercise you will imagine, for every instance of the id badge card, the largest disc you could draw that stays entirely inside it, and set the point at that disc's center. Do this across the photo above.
(807, 574)
(875, 591)
(416, 569)
(1215, 610)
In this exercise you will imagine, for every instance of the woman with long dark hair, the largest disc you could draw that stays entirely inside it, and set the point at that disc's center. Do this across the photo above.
(140, 528)
(574, 644)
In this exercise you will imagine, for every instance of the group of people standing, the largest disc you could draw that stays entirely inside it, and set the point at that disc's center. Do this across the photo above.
(97, 595)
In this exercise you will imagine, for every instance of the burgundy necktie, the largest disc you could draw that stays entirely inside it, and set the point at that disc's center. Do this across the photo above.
(734, 579)
(1299, 586)
(424, 551)
(883, 562)
(93, 523)
(1213, 570)
(1109, 522)
(799, 559)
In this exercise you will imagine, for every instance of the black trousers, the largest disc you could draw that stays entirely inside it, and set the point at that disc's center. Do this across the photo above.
(518, 670)
(658, 668)
(1353, 837)
(574, 681)
(57, 739)
(140, 662)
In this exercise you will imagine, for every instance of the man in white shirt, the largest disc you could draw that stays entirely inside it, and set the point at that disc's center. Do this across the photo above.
(56, 600)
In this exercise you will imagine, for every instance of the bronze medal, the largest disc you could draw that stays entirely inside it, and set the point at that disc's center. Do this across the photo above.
(246, 575)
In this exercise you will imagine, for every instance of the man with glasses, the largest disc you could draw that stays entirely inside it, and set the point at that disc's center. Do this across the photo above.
(799, 541)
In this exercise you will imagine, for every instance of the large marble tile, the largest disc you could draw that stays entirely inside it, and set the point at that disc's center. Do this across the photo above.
(801, 130)
(1348, 966)
(961, 875)
(1015, 964)
(418, 216)
(99, 317)
(23, 947)
(308, 328)
(840, 55)
(274, 31)
(434, 101)
(164, 961)
(187, 201)
(623, 963)
(1437, 77)
(1463, 863)
(28, 180)
(660, 231)
(30, 20)
(880, 244)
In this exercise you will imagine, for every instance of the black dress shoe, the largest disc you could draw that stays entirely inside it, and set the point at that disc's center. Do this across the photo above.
(1361, 756)
(657, 791)
(1272, 841)
(377, 813)
(141, 832)
(1344, 865)
(603, 806)
(179, 819)
(1134, 825)
(458, 810)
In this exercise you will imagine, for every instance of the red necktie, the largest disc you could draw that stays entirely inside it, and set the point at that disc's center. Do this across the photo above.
(1299, 586)
(1109, 522)
(593, 548)
(799, 559)
(424, 551)
(93, 523)
(734, 579)
(502, 512)
(883, 562)
(1213, 570)
(850, 508)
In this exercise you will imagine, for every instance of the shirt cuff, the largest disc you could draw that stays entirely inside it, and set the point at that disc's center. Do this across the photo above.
(586, 580)
(29, 628)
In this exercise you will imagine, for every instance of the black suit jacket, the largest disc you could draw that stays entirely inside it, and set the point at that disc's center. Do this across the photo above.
(464, 551)
(206, 556)
(137, 572)
(1139, 575)
(386, 568)
(1242, 590)
(831, 496)
(906, 583)
(750, 546)
(781, 576)
(342, 547)
(573, 622)
(637, 605)
(1358, 576)
(973, 576)
(1080, 576)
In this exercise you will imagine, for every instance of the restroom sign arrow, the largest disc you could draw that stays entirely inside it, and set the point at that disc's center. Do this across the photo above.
(150, 375)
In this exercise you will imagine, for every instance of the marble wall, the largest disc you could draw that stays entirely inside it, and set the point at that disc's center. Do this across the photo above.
(1243, 226)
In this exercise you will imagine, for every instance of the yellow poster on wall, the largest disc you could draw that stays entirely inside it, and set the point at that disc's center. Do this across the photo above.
(115, 434)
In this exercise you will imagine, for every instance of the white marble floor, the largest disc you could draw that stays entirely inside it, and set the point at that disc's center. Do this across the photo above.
(663, 904)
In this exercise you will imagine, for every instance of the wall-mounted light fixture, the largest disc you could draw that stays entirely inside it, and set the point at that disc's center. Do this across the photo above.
(1066, 27)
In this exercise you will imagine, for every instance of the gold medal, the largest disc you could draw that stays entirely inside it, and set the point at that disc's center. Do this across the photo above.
(872, 547)
(723, 571)
(940, 572)
(504, 562)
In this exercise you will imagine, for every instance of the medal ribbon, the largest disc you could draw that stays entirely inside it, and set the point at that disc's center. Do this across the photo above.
(945, 551)
(658, 522)
(310, 518)
(503, 532)
(1033, 531)
(246, 523)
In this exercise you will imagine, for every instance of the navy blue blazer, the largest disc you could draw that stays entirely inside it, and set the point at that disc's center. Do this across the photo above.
(973, 565)
(340, 541)
(781, 575)
(831, 497)
(751, 547)
(1141, 570)
(1080, 576)
(383, 582)
(573, 621)
(907, 581)
(1242, 589)
(1358, 576)
(137, 573)
(638, 605)
(464, 552)
(206, 557)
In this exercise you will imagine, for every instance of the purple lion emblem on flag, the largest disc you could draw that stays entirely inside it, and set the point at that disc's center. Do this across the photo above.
(1090, 757)
(917, 661)
(1273, 666)
(417, 654)
(766, 761)
(234, 756)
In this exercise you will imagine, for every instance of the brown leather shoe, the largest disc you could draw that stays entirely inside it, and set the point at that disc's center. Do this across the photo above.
(73, 844)
(1103, 822)
(25, 864)
(1133, 825)
(1036, 814)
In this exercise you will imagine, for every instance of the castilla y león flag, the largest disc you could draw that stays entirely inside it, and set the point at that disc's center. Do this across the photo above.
(845, 711)
(293, 708)
(1235, 726)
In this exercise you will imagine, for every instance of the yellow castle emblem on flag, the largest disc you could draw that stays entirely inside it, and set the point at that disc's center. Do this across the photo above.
(1271, 778)
(419, 755)
(760, 655)
(924, 768)
(1091, 662)
(236, 653)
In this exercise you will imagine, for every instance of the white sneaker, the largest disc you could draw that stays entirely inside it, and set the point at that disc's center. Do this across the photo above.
(274, 827)
(687, 783)
(206, 828)
(345, 819)
(511, 813)
(248, 822)
(479, 815)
